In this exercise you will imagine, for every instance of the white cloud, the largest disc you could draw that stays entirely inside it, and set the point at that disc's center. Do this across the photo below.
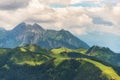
(75, 19)
(59, 2)
(80, 1)
(13, 4)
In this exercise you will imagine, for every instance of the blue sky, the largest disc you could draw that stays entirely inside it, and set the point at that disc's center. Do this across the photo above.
(95, 21)
(104, 39)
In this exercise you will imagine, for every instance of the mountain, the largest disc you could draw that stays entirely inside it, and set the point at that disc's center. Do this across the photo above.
(104, 54)
(2, 29)
(24, 34)
(32, 62)
(2, 32)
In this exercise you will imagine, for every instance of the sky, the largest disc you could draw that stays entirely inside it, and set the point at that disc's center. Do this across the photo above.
(97, 22)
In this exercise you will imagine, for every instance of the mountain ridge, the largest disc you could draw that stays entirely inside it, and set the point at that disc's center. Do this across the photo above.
(32, 62)
(104, 54)
(24, 34)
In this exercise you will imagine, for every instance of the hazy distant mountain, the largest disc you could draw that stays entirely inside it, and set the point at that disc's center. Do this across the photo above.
(2, 32)
(24, 34)
(2, 29)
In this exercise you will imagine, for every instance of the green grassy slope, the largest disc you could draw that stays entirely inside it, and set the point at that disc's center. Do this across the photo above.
(107, 70)
(35, 63)
(104, 54)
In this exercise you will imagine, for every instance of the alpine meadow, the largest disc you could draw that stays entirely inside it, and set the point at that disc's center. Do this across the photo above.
(59, 40)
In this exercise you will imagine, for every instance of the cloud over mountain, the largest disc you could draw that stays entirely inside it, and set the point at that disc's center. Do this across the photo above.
(78, 19)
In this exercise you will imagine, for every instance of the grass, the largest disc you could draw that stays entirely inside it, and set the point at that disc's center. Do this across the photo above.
(111, 74)
(3, 51)
(81, 50)
(32, 48)
(106, 70)
(60, 50)
(6, 66)
(23, 49)
(57, 61)
(57, 52)
(32, 63)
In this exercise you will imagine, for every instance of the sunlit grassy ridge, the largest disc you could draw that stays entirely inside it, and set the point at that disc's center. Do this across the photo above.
(23, 49)
(60, 50)
(55, 64)
(32, 63)
(111, 74)
(105, 70)
(63, 49)
(30, 55)
(57, 61)
(81, 50)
